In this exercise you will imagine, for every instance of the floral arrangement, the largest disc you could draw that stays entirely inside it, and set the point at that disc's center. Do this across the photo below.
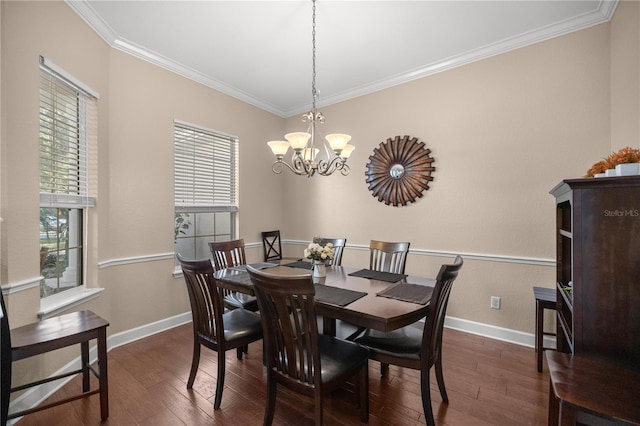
(623, 156)
(315, 251)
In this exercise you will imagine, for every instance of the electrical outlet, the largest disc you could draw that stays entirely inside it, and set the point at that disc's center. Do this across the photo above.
(495, 302)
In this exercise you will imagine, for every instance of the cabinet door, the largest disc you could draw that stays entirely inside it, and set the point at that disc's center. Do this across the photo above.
(606, 272)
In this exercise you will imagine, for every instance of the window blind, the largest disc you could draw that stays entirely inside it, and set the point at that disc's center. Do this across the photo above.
(205, 168)
(67, 117)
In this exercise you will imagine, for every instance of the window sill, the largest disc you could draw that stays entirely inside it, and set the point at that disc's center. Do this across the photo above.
(56, 304)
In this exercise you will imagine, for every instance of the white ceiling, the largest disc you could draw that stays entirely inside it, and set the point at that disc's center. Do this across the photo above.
(260, 51)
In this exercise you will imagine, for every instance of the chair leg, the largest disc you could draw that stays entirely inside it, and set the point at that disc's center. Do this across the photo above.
(440, 379)
(384, 368)
(271, 400)
(219, 380)
(363, 390)
(195, 361)
(84, 356)
(425, 390)
(239, 352)
(318, 408)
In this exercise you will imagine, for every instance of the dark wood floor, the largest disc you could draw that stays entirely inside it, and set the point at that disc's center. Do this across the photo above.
(489, 383)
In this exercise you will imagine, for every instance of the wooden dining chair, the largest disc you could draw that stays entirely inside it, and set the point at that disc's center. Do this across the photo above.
(338, 248)
(272, 246)
(388, 257)
(419, 350)
(46, 336)
(212, 327)
(227, 254)
(296, 355)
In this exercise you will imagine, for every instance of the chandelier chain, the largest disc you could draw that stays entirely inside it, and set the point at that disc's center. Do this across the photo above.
(314, 91)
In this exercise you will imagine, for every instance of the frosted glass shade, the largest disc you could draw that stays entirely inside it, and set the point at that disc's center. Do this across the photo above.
(298, 140)
(278, 147)
(338, 141)
(347, 150)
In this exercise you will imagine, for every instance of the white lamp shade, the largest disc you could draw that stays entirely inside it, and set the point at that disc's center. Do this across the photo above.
(278, 147)
(298, 140)
(338, 140)
(347, 150)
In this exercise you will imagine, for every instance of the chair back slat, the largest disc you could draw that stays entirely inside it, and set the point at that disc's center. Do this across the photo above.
(206, 303)
(290, 326)
(338, 248)
(387, 256)
(271, 245)
(434, 323)
(227, 254)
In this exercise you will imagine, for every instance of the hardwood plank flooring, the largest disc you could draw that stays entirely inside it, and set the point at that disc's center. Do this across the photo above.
(488, 382)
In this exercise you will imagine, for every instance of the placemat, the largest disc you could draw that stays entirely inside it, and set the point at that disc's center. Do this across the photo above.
(301, 264)
(413, 293)
(337, 296)
(377, 275)
(259, 265)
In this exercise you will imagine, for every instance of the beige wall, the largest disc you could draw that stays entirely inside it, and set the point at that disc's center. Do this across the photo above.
(503, 132)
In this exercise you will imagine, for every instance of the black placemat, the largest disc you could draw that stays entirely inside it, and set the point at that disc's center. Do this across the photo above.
(377, 275)
(413, 293)
(336, 296)
(300, 264)
(240, 277)
(259, 265)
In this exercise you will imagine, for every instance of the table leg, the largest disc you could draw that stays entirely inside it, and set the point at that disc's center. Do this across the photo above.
(329, 326)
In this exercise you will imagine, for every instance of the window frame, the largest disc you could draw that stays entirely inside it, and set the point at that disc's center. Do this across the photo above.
(216, 162)
(75, 155)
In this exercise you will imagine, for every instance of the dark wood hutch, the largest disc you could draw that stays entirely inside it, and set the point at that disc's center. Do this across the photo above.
(598, 268)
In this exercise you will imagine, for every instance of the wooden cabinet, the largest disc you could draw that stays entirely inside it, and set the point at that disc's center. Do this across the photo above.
(598, 267)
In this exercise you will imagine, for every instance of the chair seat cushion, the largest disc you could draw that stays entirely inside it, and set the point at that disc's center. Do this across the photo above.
(338, 357)
(241, 300)
(404, 342)
(241, 324)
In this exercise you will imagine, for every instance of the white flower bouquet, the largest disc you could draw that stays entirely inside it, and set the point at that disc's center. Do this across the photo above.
(315, 251)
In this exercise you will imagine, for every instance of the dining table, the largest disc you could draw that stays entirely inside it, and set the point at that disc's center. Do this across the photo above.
(361, 297)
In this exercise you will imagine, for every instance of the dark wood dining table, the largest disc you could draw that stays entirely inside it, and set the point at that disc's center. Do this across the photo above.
(368, 311)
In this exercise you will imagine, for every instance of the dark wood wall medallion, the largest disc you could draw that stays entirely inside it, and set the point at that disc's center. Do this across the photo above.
(399, 170)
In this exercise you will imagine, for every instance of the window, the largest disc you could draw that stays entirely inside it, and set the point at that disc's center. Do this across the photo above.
(205, 189)
(67, 125)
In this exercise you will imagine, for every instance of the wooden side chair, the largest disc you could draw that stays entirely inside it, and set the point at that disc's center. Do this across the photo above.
(338, 247)
(272, 246)
(46, 336)
(296, 355)
(419, 350)
(212, 327)
(227, 254)
(388, 257)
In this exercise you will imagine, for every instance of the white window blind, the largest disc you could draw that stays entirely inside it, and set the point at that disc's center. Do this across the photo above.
(205, 168)
(68, 116)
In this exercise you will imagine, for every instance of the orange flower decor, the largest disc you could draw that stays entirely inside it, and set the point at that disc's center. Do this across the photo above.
(624, 156)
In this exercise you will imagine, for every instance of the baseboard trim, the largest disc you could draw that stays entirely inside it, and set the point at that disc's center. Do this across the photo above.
(497, 333)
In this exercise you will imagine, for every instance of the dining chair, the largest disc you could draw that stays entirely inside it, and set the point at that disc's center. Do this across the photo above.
(271, 245)
(388, 257)
(214, 328)
(338, 247)
(228, 254)
(296, 355)
(419, 350)
(48, 335)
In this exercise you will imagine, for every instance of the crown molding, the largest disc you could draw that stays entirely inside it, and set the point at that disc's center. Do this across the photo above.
(602, 14)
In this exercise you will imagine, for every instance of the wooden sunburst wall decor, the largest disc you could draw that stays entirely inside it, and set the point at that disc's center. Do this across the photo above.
(399, 170)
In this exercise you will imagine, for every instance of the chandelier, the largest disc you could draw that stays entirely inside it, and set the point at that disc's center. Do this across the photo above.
(311, 152)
